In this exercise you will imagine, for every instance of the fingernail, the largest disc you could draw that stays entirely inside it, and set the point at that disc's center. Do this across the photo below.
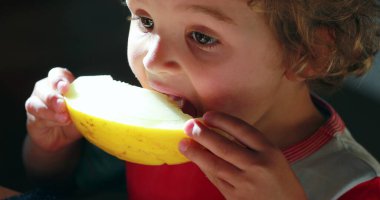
(192, 128)
(184, 144)
(196, 129)
(60, 85)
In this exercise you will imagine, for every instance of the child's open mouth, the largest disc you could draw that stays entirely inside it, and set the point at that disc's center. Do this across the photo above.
(186, 106)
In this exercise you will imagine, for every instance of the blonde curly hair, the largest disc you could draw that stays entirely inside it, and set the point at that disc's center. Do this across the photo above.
(336, 38)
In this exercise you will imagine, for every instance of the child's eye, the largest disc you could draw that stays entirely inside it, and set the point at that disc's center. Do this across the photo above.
(203, 39)
(145, 24)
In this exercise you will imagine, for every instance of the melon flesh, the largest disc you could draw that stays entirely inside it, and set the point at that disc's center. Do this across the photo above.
(132, 123)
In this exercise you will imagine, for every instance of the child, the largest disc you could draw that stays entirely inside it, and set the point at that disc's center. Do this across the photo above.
(248, 68)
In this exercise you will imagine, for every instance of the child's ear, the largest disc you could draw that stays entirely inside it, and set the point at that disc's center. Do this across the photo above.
(319, 60)
(306, 73)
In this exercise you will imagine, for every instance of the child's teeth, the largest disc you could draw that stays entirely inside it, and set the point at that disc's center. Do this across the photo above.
(179, 101)
(184, 105)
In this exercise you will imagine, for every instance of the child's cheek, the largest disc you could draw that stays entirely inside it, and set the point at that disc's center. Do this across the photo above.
(136, 51)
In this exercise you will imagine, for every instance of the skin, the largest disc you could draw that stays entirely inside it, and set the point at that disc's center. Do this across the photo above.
(224, 59)
(239, 71)
(52, 146)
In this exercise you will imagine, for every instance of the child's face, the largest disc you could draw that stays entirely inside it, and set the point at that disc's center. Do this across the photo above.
(216, 54)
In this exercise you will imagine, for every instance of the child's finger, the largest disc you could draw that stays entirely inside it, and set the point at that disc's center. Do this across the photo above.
(223, 186)
(219, 145)
(51, 98)
(60, 79)
(44, 123)
(207, 161)
(242, 131)
(36, 107)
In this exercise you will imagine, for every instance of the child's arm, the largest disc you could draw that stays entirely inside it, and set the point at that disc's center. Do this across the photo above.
(252, 169)
(52, 146)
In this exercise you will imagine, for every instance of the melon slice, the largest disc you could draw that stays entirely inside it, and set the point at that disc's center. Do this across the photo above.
(132, 123)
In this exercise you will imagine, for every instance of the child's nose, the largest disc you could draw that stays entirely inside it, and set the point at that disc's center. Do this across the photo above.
(161, 56)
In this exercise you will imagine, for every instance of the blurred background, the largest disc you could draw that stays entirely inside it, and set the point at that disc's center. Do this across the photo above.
(89, 37)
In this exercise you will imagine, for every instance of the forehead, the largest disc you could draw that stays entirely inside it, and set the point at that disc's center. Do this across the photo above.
(216, 2)
(214, 7)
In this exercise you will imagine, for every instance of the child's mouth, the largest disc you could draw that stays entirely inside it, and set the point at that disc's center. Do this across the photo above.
(186, 106)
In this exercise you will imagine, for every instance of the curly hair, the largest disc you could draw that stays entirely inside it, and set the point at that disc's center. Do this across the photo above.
(336, 38)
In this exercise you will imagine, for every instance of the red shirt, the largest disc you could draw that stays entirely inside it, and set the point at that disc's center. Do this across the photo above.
(167, 182)
(369, 190)
(188, 182)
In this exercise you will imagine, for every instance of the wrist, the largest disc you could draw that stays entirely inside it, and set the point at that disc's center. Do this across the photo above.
(46, 166)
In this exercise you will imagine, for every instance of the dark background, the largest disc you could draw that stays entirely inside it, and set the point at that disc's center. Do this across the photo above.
(89, 37)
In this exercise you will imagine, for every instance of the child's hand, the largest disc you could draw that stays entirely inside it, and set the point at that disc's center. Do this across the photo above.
(48, 122)
(254, 169)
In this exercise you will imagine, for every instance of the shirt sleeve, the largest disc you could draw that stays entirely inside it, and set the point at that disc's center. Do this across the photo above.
(366, 190)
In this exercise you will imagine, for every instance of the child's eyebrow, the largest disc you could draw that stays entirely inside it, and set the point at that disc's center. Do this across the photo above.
(216, 13)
